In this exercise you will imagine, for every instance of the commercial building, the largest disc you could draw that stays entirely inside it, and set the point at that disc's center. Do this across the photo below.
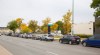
(83, 28)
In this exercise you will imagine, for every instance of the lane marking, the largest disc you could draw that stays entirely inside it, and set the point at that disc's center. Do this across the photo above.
(52, 53)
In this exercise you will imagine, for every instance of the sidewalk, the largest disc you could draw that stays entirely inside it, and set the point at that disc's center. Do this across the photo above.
(3, 51)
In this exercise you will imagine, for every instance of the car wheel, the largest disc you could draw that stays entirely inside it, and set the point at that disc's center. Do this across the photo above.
(70, 42)
(78, 43)
(40, 39)
(60, 41)
(84, 44)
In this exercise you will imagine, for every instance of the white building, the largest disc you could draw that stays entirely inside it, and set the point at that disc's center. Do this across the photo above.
(83, 28)
(4, 30)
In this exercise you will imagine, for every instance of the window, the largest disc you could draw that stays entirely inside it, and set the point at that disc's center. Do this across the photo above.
(91, 38)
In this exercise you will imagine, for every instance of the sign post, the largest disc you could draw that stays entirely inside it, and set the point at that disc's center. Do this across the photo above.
(49, 29)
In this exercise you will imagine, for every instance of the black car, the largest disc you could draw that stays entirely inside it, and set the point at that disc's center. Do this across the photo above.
(70, 39)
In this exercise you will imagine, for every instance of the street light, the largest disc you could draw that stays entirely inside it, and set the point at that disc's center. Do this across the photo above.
(72, 30)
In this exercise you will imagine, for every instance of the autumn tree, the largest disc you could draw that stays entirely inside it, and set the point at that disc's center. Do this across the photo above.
(54, 27)
(24, 28)
(67, 22)
(33, 25)
(44, 27)
(46, 21)
(19, 21)
(12, 25)
(60, 26)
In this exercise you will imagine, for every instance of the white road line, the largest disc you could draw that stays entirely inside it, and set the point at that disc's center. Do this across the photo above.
(52, 53)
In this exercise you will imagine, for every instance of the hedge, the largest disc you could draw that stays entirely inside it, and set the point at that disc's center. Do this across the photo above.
(83, 35)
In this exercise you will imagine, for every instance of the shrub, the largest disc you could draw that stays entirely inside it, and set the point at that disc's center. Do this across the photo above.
(83, 35)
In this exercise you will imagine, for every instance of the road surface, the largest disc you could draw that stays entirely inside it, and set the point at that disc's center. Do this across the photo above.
(21, 46)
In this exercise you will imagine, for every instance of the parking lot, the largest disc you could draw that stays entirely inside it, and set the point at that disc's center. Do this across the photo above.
(21, 46)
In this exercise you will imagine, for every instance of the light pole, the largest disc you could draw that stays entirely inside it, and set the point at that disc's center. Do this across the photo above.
(72, 30)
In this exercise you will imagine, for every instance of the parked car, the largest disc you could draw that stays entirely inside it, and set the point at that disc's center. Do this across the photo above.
(91, 41)
(35, 37)
(9, 34)
(38, 37)
(47, 37)
(29, 36)
(69, 39)
(0, 34)
(21, 35)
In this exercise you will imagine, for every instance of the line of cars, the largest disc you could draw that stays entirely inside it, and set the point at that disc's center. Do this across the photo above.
(91, 41)
(66, 39)
(44, 37)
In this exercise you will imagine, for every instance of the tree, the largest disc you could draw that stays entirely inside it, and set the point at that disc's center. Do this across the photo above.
(96, 5)
(67, 22)
(46, 21)
(44, 27)
(19, 21)
(60, 26)
(33, 25)
(25, 29)
(54, 27)
(12, 25)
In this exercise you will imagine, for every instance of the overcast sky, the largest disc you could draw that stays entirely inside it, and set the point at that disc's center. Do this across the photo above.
(40, 9)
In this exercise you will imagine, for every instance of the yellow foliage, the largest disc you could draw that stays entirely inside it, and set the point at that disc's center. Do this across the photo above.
(45, 29)
(24, 28)
(19, 20)
(67, 22)
(46, 21)
(54, 27)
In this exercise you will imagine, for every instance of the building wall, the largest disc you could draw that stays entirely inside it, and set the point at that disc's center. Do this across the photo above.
(83, 28)
(96, 29)
(4, 30)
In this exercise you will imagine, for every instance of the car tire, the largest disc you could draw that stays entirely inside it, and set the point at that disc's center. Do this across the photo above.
(84, 44)
(70, 42)
(60, 41)
(40, 39)
(78, 43)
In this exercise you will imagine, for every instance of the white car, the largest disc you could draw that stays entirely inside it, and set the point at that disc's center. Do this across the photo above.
(47, 37)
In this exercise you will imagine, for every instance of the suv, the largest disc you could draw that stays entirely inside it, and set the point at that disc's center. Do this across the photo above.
(70, 39)
(47, 37)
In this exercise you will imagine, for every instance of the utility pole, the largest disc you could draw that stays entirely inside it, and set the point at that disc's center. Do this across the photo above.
(72, 30)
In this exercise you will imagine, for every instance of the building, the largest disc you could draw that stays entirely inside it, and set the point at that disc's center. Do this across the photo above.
(83, 28)
(96, 29)
(4, 30)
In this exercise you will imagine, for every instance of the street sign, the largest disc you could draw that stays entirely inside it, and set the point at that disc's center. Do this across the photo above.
(50, 24)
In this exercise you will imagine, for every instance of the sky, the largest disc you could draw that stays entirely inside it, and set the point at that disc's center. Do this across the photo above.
(41, 9)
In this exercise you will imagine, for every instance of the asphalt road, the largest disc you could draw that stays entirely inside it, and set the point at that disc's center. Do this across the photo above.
(21, 46)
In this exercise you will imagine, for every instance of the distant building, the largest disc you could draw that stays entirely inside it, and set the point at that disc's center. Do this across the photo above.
(83, 28)
(4, 30)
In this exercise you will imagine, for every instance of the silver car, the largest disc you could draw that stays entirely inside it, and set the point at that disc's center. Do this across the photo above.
(47, 37)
